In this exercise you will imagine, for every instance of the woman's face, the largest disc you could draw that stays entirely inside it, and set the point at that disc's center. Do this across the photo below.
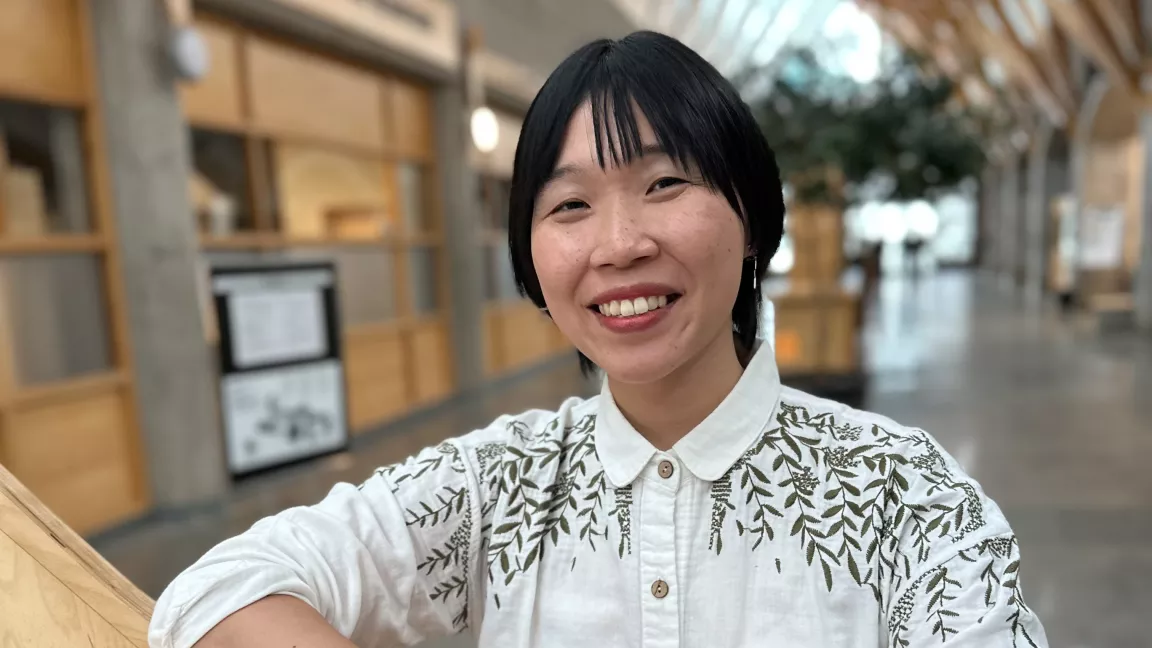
(640, 264)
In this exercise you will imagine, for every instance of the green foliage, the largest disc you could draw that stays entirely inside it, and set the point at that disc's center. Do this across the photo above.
(904, 132)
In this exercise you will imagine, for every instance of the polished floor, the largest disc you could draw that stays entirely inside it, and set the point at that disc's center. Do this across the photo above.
(1052, 418)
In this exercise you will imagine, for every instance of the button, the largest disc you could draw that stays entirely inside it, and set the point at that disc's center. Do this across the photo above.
(659, 589)
(666, 469)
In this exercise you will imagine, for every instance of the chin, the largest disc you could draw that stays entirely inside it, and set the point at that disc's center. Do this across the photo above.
(635, 367)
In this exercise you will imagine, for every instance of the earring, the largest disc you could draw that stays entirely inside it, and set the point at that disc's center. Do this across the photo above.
(755, 273)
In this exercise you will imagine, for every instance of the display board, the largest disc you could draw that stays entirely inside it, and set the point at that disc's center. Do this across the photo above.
(282, 393)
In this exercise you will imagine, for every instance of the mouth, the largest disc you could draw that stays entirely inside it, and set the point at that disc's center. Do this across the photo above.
(635, 307)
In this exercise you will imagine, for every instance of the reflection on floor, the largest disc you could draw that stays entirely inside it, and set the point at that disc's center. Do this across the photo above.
(1053, 420)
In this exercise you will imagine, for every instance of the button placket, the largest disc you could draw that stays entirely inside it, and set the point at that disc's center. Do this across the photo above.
(660, 606)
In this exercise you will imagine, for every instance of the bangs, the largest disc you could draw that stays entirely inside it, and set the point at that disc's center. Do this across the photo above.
(634, 82)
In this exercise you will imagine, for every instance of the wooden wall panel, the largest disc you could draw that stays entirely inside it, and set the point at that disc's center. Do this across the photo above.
(40, 54)
(526, 336)
(493, 340)
(216, 99)
(431, 361)
(376, 373)
(411, 119)
(314, 183)
(301, 95)
(75, 454)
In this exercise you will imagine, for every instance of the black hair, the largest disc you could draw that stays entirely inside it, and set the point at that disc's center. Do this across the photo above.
(698, 118)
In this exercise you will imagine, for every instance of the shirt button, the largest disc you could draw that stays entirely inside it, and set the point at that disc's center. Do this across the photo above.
(659, 589)
(666, 469)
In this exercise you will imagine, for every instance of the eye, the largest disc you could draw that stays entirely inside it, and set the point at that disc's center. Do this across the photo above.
(665, 183)
(569, 205)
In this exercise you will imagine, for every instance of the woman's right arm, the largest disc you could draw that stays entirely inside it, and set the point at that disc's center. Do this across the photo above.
(275, 622)
(383, 564)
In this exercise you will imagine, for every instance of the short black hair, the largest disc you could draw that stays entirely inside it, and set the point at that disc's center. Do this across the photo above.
(698, 118)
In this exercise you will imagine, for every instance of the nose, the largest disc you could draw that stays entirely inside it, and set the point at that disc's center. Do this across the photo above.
(623, 239)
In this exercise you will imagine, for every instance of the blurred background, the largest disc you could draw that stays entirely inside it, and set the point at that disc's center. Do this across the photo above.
(249, 248)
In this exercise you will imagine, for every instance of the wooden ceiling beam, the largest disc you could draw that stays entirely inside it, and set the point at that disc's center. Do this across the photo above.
(1007, 48)
(1084, 29)
(1059, 89)
(1121, 24)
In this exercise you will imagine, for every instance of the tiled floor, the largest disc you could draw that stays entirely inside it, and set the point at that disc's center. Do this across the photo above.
(1054, 421)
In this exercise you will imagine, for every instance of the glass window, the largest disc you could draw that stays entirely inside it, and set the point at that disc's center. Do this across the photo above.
(219, 186)
(423, 271)
(55, 316)
(502, 281)
(43, 171)
(495, 194)
(415, 206)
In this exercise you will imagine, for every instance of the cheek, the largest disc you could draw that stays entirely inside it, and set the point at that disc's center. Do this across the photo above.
(710, 240)
(558, 260)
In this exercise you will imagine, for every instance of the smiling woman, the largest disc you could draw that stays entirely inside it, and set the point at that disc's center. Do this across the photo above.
(696, 501)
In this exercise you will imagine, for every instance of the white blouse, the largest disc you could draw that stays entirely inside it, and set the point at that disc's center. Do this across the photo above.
(781, 520)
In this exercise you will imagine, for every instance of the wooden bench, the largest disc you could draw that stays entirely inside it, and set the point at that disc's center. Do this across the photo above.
(55, 590)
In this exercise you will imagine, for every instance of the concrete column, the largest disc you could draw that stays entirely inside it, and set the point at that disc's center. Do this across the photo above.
(149, 160)
(988, 217)
(1008, 228)
(1036, 212)
(462, 216)
(1142, 288)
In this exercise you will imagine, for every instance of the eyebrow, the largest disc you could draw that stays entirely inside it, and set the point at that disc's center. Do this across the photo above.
(571, 169)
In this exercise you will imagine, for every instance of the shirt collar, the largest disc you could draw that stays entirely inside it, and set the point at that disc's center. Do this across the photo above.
(713, 446)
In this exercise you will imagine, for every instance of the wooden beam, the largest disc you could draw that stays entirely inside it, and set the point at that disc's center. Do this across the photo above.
(1013, 53)
(1084, 29)
(1036, 58)
(1121, 24)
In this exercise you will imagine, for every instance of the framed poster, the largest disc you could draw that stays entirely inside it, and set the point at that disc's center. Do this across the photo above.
(282, 392)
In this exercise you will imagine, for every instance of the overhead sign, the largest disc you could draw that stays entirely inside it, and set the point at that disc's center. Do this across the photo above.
(282, 390)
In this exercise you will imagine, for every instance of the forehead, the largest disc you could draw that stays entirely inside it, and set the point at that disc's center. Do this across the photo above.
(579, 146)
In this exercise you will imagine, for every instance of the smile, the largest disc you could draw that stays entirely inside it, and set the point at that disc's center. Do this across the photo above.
(634, 307)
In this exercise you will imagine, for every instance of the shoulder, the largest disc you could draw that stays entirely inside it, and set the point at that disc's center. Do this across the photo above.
(927, 501)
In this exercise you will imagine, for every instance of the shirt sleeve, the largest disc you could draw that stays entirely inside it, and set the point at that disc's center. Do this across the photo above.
(386, 563)
(952, 560)
(972, 600)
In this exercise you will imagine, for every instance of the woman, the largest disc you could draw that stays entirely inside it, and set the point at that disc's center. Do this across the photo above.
(695, 502)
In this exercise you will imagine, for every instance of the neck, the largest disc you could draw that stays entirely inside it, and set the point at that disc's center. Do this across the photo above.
(666, 410)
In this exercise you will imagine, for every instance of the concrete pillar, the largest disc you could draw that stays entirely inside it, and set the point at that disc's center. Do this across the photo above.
(989, 216)
(1036, 212)
(149, 160)
(1008, 228)
(460, 192)
(1142, 285)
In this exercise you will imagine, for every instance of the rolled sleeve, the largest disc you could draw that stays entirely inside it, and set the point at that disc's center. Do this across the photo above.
(385, 563)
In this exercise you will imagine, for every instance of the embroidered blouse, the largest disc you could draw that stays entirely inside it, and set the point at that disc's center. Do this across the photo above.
(781, 520)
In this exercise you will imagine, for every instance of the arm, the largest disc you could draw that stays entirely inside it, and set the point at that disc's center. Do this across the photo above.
(972, 600)
(383, 564)
(952, 559)
(275, 622)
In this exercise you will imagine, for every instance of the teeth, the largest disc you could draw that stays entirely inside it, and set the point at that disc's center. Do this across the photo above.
(632, 307)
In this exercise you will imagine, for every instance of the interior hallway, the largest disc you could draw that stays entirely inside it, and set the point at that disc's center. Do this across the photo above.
(1053, 421)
